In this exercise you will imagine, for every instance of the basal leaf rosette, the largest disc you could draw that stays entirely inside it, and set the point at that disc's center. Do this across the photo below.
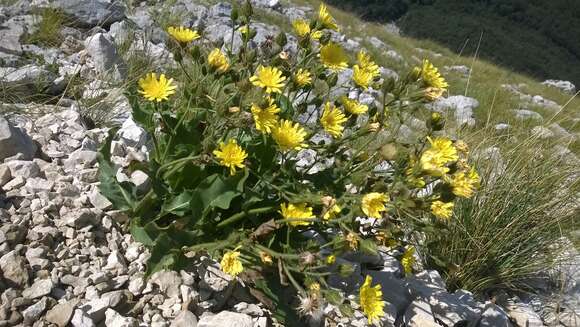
(261, 159)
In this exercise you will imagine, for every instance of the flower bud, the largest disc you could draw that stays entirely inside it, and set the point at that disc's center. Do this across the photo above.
(415, 74)
(332, 80)
(307, 258)
(352, 241)
(437, 122)
(345, 270)
(368, 247)
(234, 110)
(247, 9)
(462, 146)
(281, 39)
(389, 151)
(331, 259)
(265, 258)
(234, 14)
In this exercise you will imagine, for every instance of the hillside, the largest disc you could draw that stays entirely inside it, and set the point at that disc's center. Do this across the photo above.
(533, 37)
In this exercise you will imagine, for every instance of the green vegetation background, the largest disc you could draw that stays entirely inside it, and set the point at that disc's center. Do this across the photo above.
(537, 37)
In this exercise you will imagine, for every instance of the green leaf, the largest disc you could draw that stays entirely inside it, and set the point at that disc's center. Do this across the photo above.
(284, 312)
(179, 204)
(217, 191)
(121, 195)
(333, 297)
(346, 310)
(368, 247)
(164, 255)
(286, 106)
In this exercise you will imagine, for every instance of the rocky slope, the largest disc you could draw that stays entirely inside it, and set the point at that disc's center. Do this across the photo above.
(66, 258)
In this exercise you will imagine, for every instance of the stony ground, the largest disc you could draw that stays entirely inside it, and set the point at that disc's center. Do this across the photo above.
(66, 257)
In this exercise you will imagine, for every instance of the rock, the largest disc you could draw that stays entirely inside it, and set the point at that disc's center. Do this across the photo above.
(81, 319)
(168, 282)
(527, 115)
(38, 289)
(13, 141)
(221, 9)
(268, 4)
(91, 13)
(61, 313)
(542, 132)
(114, 319)
(5, 175)
(82, 217)
(463, 70)
(131, 134)
(524, 315)
(462, 105)
(33, 312)
(184, 319)
(12, 30)
(419, 314)
(377, 43)
(564, 86)
(25, 169)
(455, 309)
(141, 180)
(13, 267)
(99, 201)
(399, 294)
(226, 319)
(494, 316)
(26, 80)
(502, 127)
(107, 61)
(96, 308)
(37, 185)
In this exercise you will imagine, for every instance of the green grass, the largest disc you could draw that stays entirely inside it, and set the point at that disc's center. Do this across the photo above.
(47, 30)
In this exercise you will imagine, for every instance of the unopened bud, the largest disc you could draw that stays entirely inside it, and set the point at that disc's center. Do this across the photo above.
(389, 151)
(234, 110)
(373, 127)
(308, 258)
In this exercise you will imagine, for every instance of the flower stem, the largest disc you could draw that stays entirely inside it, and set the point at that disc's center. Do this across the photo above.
(240, 215)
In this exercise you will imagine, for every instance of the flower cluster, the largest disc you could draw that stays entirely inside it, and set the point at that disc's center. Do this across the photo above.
(255, 148)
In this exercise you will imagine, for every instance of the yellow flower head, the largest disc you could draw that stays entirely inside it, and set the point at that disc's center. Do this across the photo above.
(332, 120)
(331, 259)
(442, 210)
(289, 136)
(440, 153)
(302, 77)
(371, 300)
(245, 30)
(231, 263)
(297, 211)
(333, 57)
(265, 258)
(269, 78)
(362, 77)
(265, 118)
(332, 212)
(465, 183)
(183, 34)
(408, 260)
(156, 90)
(431, 76)
(218, 60)
(374, 203)
(231, 155)
(353, 106)
(326, 19)
(352, 241)
(366, 63)
(301, 27)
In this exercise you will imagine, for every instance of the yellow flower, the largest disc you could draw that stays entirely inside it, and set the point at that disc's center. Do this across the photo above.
(183, 34)
(371, 300)
(296, 211)
(331, 259)
(352, 241)
(231, 263)
(289, 136)
(332, 212)
(366, 63)
(353, 106)
(332, 120)
(231, 155)
(408, 260)
(314, 287)
(465, 183)
(302, 77)
(362, 77)
(218, 60)
(440, 153)
(431, 76)
(333, 57)
(269, 78)
(301, 27)
(326, 19)
(374, 203)
(265, 118)
(156, 90)
(245, 30)
(265, 258)
(442, 210)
